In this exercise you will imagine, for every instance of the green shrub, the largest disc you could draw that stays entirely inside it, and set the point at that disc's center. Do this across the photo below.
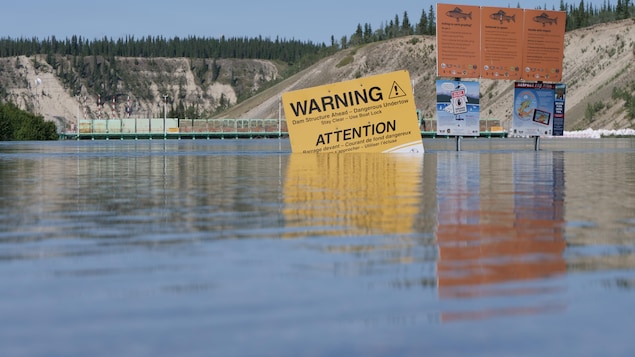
(17, 124)
(345, 61)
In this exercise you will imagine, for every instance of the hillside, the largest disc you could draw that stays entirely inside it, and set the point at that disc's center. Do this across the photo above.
(597, 59)
(202, 86)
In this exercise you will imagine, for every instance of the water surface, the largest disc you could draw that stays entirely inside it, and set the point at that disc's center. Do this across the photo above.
(240, 248)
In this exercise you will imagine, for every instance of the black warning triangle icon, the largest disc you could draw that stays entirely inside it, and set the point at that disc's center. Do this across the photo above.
(396, 91)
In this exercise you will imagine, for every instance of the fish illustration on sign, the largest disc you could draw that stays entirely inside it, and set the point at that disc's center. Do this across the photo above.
(524, 110)
(502, 16)
(545, 19)
(458, 14)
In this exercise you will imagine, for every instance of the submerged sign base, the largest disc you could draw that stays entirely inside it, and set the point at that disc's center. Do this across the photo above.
(371, 114)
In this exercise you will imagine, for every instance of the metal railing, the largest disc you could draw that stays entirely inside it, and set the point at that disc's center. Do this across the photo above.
(213, 128)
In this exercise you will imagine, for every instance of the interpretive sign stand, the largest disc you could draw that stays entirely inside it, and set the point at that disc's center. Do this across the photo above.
(506, 44)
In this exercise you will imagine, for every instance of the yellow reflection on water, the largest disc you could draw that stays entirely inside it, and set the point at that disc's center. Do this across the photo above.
(352, 194)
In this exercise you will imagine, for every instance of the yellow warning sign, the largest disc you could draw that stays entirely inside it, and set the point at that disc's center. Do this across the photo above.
(371, 114)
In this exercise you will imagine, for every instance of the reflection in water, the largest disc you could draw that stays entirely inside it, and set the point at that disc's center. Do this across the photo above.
(119, 242)
(134, 194)
(500, 227)
(601, 211)
(344, 195)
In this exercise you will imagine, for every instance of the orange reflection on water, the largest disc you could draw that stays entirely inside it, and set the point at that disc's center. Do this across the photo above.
(509, 311)
(506, 238)
(490, 254)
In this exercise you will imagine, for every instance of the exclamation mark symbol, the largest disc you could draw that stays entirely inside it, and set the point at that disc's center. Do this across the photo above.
(396, 91)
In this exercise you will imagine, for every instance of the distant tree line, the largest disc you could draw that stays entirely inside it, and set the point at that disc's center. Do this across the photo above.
(17, 124)
(293, 52)
(392, 29)
(584, 15)
(288, 51)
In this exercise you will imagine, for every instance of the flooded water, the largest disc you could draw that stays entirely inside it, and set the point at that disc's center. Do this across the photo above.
(240, 248)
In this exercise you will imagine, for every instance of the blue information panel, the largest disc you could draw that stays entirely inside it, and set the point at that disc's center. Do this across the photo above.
(538, 109)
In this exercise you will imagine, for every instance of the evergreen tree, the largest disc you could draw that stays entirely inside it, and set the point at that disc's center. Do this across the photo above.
(358, 36)
(344, 42)
(406, 28)
(432, 25)
(368, 33)
(619, 9)
(583, 17)
(422, 26)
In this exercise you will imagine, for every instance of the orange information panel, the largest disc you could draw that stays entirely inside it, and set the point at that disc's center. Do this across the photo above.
(459, 42)
(501, 48)
(543, 45)
(500, 43)
(370, 114)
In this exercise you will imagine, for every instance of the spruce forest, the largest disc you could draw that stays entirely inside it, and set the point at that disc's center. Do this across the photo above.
(288, 51)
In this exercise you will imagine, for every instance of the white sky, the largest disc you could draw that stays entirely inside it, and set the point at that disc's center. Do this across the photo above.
(310, 20)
